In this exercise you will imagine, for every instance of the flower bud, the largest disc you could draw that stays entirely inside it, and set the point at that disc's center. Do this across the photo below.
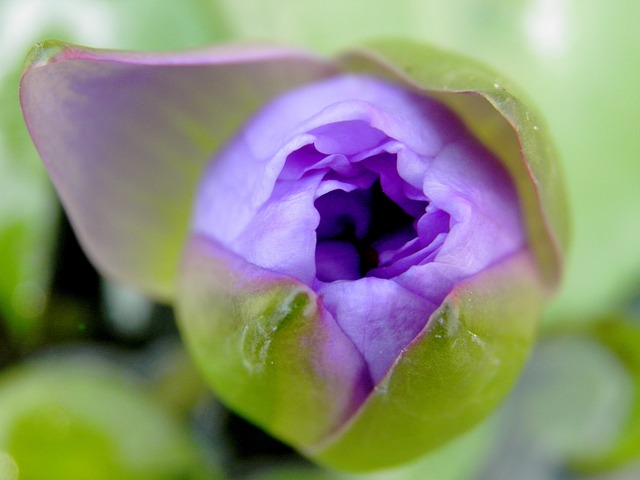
(358, 250)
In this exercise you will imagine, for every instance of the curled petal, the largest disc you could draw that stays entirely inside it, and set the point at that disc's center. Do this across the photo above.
(125, 137)
(511, 129)
(267, 345)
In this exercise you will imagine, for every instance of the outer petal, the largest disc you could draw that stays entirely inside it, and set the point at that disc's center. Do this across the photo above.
(450, 377)
(125, 137)
(267, 346)
(499, 119)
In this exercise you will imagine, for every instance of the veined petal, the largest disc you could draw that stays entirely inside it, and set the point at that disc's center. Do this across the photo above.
(131, 132)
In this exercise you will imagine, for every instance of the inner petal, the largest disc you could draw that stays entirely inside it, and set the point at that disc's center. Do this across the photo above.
(347, 137)
(344, 214)
(357, 227)
(337, 260)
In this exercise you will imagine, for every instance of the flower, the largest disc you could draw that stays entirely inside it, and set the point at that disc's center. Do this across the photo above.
(376, 198)
(354, 247)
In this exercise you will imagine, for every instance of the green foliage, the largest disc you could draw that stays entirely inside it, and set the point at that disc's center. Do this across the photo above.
(620, 334)
(78, 418)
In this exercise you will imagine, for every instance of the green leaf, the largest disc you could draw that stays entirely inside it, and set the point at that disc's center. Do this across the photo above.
(620, 334)
(78, 418)
(571, 402)
(324, 25)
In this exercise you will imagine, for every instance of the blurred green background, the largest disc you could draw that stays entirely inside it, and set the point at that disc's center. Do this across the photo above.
(578, 61)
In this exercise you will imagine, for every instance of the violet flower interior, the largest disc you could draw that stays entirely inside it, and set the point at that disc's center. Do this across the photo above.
(377, 198)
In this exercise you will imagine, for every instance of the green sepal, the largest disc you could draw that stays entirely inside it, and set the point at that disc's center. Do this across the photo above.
(485, 101)
(454, 373)
(263, 343)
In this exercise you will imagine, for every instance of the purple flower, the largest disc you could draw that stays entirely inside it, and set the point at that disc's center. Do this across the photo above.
(353, 249)
(376, 198)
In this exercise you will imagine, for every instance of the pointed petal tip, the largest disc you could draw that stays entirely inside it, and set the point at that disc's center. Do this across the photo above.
(43, 53)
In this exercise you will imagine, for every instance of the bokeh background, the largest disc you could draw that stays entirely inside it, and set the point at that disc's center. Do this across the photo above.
(94, 382)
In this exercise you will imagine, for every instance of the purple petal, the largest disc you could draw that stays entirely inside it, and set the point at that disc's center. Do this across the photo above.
(282, 237)
(354, 177)
(465, 181)
(337, 261)
(234, 205)
(275, 362)
(347, 137)
(129, 132)
(339, 210)
(380, 316)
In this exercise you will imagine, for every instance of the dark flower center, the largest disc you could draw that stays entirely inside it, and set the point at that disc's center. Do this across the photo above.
(354, 228)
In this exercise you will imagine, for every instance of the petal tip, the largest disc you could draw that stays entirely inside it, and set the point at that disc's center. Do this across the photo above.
(45, 52)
